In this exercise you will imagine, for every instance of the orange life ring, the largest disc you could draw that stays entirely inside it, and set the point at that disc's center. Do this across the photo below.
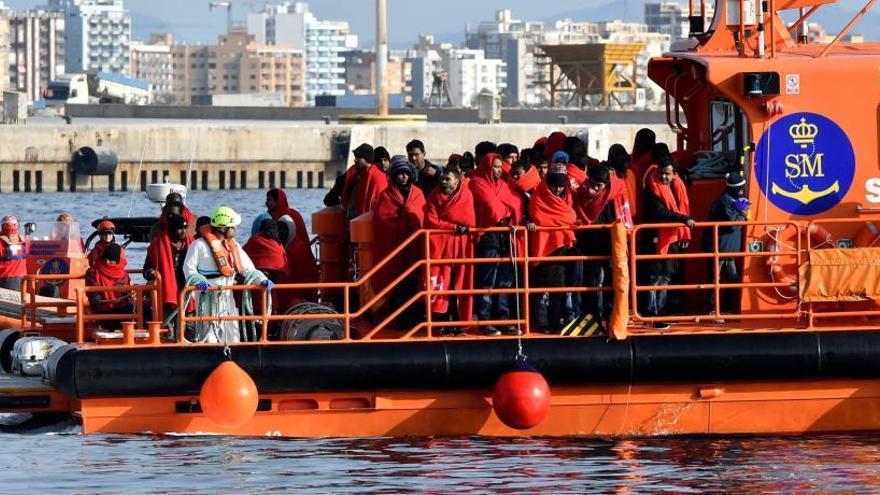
(819, 237)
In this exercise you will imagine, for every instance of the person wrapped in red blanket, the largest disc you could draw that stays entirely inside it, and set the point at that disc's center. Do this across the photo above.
(110, 271)
(665, 201)
(451, 206)
(266, 250)
(165, 255)
(496, 205)
(601, 200)
(106, 236)
(302, 266)
(551, 206)
(399, 212)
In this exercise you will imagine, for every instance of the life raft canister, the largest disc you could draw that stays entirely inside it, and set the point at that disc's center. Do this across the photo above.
(776, 240)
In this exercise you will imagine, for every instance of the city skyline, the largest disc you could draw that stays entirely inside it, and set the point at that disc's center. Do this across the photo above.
(192, 22)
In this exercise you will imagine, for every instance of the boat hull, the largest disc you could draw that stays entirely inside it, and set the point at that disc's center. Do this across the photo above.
(650, 410)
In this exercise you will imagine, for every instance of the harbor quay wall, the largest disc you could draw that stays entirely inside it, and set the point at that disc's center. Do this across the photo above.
(37, 158)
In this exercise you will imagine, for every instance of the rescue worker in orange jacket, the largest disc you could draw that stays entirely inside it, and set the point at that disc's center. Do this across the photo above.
(13, 254)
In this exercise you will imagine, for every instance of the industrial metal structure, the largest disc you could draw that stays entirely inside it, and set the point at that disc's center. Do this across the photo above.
(593, 73)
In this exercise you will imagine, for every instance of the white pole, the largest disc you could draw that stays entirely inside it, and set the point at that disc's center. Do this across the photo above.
(381, 57)
(760, 5)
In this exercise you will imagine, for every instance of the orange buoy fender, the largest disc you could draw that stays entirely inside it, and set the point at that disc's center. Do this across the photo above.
(521, 399)
(229, 396)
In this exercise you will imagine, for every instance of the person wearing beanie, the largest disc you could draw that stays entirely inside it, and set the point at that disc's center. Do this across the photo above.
(482, 149)
(399, 213)
(730, 206)
(428, 173)
(552, 206)
(509, 153)
(383, 158)
(559, 157)
(356, 189)
(165, 255)
(110, 270)
(467, 164)
(13, 254)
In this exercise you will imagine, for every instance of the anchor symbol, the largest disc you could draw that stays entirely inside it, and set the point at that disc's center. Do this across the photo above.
(805, 195)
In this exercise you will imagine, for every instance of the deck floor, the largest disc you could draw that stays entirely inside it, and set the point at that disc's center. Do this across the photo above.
(10, 383)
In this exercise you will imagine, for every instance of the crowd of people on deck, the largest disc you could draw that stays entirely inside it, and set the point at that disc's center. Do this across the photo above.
(547, 188)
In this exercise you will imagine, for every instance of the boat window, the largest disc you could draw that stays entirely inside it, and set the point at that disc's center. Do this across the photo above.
(56, 231)
(730, 132)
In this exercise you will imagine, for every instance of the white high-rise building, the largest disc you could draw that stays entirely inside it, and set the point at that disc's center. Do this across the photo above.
(293, 25)
(98, 35)
(465, 73)
(470, 72)
(672, 18)
(514, 42)
(36, 50)
(153, 62)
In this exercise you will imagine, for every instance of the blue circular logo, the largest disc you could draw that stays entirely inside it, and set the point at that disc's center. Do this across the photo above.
(805, 163)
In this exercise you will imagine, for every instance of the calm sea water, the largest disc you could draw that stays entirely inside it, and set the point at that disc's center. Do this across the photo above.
(58, 459)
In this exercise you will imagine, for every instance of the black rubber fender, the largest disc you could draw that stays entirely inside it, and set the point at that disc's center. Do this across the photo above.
(8, 338)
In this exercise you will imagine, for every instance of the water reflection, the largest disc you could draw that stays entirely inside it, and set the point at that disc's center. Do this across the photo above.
(208, 464)
(57, 459)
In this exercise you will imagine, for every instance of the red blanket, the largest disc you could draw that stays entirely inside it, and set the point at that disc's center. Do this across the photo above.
(162, 260)
(266, 253)
(447, 212)
(576, 176)
(549, 210)
(394, 220)
(674, 197)
(589, 206)
(96, 251)
(494, 200)
(302, 265)
(103, 274)
(302, 269)
(282, 207)
(369, 185)
(527, 182)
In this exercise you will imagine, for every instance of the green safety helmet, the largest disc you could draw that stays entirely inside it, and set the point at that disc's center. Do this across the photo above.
(225, 217)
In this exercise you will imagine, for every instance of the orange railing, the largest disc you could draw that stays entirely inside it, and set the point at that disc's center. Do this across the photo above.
(793, 254)
(29, 303)
(425, 292)
(83, 317)
(789, 248)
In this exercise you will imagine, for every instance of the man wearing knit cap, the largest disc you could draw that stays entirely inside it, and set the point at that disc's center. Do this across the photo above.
(383, 158)
(364, 156)
(551, 206)
(509, 153)
(730, 206)
(399, 212)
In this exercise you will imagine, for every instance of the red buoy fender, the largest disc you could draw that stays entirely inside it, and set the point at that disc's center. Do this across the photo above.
(521, 399)
(229, 396)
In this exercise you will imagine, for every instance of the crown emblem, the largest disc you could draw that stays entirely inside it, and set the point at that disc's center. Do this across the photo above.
(803, 133)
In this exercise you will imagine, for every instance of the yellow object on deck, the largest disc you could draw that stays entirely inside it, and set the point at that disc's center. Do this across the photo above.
(837, 275)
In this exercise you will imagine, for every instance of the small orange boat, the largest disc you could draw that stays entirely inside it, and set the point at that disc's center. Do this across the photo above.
(801, 354)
